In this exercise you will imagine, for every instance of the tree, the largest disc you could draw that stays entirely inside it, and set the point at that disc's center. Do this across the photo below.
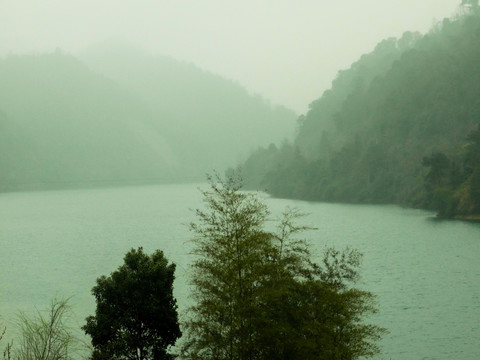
(136, 316)
(258, 294)
(46, 337)
(230, 247)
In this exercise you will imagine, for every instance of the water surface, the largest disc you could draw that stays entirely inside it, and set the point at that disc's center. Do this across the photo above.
(425, 272)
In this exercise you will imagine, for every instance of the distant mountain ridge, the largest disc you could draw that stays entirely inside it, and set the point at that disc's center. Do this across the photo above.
(65, 124)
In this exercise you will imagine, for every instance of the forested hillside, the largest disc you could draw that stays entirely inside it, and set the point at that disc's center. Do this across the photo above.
(209, 121)
(63, 124)
(365, 138)
(452, 182)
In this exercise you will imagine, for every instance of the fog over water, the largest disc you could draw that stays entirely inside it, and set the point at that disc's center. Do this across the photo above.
(288, 51)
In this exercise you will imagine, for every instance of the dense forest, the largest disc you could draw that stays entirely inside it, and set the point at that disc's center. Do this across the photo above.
(64, 122)
(452, 183)
(365, 139)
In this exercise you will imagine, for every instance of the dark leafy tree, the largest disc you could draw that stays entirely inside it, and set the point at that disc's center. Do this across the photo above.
(136, 316)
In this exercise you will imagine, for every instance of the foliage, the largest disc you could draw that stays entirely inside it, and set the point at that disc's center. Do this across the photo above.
(451, 189)
(7, 352)
(364, 139)
(46, 337)
(257, 293)
(125, 117)
(136, 315)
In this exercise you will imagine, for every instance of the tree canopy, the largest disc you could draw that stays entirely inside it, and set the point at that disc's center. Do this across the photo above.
(136, 315)
(452, 183)
(259, 295)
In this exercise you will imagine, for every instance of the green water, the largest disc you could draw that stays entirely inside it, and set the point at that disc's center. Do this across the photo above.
(425, 272)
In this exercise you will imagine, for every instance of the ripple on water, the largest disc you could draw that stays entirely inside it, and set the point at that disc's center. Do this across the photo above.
(426, 273)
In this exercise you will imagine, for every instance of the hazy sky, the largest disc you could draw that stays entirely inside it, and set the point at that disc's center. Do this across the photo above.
(287, 50)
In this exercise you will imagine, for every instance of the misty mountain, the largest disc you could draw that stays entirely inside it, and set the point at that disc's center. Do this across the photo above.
(210, 122)
(364, 139)
(63, 124)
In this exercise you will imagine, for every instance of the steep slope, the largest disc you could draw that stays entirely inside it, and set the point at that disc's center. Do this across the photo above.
(321, 122)
(61, 124)
(211, 122)
(364, 140)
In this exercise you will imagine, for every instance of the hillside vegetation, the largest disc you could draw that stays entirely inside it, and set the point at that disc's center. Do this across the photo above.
(62, 125)
(65, 123)
(364, 140)
(208, 120)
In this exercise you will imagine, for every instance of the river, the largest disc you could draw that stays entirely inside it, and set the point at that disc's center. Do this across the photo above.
(425, 272)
